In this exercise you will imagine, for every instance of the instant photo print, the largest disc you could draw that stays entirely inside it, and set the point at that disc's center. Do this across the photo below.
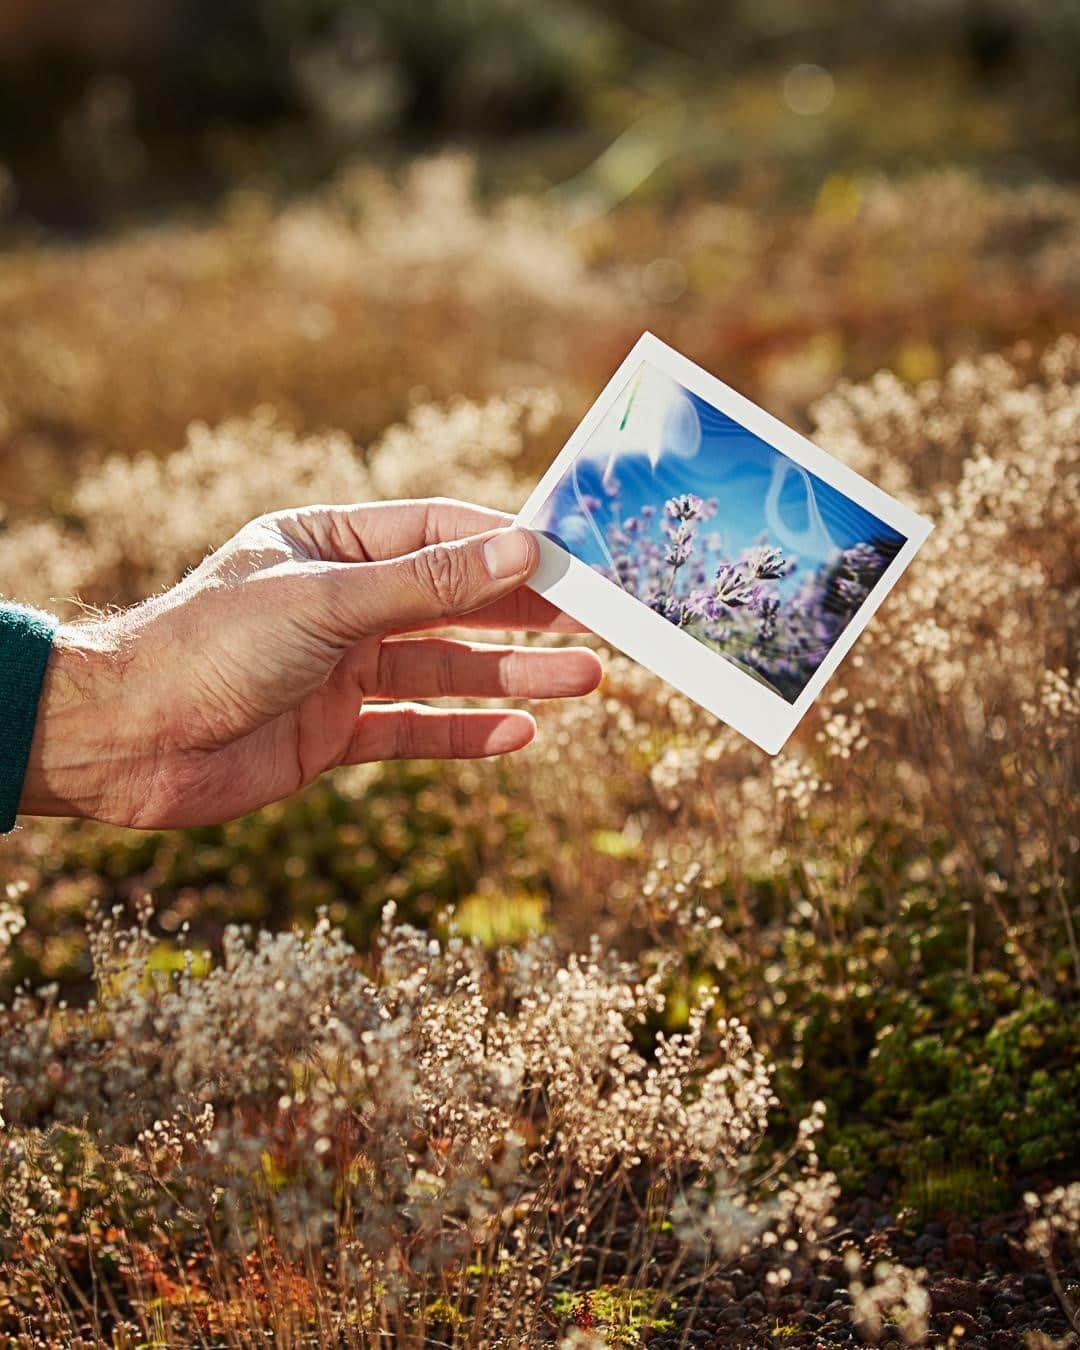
(713, 544)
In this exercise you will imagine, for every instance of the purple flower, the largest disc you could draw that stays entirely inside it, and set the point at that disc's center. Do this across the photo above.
(686, 507)
(733, 587)
(858, 571)
(861, 558)
(765, 562)
(678, 551)
(666, 606)
(852, 592)
(703, 603)
(768, 611)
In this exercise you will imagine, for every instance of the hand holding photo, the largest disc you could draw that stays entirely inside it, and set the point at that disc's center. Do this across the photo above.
(714, 544)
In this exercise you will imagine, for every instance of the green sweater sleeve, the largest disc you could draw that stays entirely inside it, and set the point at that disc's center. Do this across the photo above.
(25, 642)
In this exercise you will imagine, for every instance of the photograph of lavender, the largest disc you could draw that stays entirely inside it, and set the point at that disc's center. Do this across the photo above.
(718, 531)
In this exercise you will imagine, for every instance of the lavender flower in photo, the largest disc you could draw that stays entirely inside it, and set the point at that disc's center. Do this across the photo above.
(736, 605)
(687, 507)
(766, 562)
(720, 533)
(736, 585)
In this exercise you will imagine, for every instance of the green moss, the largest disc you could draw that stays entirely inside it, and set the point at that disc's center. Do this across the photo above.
(501, 920)
(617, 1315)
(441, 1312)
(615, 844)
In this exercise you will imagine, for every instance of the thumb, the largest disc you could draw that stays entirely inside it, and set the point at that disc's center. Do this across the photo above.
(440, 581)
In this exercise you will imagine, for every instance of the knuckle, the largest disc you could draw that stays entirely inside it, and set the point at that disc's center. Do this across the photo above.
(343, 534)
(316, 596)
(519, 676)
(445, 503)
(445, 573)
(408, 737)
(458, 736)
(444, 670)
(300, 583)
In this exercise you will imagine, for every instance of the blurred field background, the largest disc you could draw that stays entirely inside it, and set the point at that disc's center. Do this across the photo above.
(288, 250)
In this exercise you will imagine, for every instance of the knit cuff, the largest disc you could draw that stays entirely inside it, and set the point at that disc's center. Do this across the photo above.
(25, 643)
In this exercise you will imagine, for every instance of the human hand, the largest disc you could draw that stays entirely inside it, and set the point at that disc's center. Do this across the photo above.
(256, 672)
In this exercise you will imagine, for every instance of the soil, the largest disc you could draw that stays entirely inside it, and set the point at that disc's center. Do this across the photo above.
(986, 1291)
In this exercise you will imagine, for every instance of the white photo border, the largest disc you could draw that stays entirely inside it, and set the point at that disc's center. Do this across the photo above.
(622, 620)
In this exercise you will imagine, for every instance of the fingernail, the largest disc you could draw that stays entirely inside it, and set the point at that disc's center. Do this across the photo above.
(506, 553)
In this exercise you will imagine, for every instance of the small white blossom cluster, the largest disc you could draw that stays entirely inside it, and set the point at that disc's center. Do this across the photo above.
(28, 1184)
(612, 1103)
(842, 735)
(165, 1141)
(1054, 1215)
(672, 774)
(1057, 708)
(795, 781)
(723, 1219)
(892, 1293)
(1053, 1235)
(12, 922)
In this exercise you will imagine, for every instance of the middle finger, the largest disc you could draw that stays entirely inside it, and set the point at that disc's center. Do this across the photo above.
(413, 668)
(522, 609)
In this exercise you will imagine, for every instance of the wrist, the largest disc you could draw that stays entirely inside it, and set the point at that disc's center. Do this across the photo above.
(82, 760)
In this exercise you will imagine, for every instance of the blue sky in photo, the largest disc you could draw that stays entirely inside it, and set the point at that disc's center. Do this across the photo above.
(806, 517)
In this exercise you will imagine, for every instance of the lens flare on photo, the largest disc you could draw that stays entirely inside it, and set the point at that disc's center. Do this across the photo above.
(814, 537)
(655, 418)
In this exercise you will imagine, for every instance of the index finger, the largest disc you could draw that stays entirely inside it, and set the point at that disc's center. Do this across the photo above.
(381, 531)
